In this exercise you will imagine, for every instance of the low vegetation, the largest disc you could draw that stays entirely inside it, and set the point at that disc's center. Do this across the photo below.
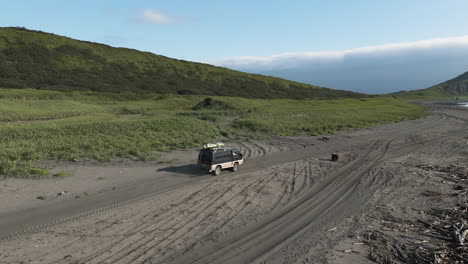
(62, 174)
(34, 59)
(39, 172)
(84, 126)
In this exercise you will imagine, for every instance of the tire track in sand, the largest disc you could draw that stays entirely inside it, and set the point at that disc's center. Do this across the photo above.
(137, 228)
(283, 225)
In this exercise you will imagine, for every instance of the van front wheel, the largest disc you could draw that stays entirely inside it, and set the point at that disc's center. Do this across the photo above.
(235, 167)
(217, 171)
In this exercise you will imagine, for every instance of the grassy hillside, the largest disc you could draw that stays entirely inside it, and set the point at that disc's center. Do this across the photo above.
(77, 126)
(456, 87)
(33, 59)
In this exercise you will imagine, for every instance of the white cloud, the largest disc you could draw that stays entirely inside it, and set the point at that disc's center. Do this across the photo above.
(292, 60)
(153, 16)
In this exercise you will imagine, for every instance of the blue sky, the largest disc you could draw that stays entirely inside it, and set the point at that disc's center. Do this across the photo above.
(207, 30)
(304, 40)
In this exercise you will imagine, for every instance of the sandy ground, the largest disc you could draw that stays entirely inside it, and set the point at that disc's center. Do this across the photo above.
(288, 204)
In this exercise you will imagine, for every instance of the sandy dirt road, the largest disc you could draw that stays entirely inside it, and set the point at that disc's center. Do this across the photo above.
(288, 204)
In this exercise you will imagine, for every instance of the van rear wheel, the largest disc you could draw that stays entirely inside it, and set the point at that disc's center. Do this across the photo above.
(217, 171)
(235, 167)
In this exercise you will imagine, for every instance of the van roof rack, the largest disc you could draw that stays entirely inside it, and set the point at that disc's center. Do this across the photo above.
(214, 146)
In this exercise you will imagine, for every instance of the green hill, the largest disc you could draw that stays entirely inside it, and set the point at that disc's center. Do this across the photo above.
(456, 87)
(39, 60)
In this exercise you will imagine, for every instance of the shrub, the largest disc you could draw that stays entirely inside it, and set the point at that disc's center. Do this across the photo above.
(62, 174)
(212, 104)
(39, 172)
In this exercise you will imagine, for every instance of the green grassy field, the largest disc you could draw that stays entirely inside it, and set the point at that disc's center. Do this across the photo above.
(40, 125)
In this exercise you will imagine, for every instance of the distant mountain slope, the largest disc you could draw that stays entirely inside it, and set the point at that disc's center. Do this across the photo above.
(455, 87)
(41, 60)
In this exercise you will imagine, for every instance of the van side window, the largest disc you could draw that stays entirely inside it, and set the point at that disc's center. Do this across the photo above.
(236, 155)
(224, 156)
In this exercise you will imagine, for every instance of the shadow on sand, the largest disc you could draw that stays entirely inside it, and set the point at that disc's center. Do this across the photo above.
(192, 169)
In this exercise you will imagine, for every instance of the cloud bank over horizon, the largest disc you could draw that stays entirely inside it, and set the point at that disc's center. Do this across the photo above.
(371, 69)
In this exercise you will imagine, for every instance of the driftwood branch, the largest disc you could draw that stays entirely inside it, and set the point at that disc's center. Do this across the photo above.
(460, 235)
(400, 251)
